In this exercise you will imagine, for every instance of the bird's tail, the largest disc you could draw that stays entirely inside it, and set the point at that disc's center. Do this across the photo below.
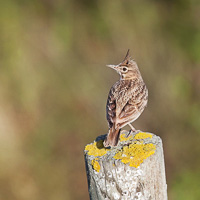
(112, 137)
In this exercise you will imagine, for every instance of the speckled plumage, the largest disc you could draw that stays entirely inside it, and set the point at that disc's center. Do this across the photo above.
(126, 100)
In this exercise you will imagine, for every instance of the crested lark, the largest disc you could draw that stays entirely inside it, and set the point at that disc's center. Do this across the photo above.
(126, 100)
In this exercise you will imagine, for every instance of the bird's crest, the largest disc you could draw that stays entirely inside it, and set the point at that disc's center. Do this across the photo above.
(127, 57)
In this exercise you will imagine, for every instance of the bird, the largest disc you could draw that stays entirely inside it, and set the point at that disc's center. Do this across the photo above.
(126, 101)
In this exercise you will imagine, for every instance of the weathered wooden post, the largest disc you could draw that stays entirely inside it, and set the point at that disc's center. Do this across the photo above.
(132, 170)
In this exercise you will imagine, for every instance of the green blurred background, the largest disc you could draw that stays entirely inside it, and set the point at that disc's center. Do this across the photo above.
(54, 85)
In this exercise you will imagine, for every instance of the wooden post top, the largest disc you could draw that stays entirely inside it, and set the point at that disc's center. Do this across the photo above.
(131, 150)
(134, 169)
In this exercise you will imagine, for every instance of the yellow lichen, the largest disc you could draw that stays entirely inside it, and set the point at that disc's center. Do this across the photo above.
(124, 138)
(142, 135)
(96, 149)
(134, 154)
(95, 164)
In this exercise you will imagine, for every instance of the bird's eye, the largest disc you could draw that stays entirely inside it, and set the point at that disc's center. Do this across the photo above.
(125, 69)
(127, 62)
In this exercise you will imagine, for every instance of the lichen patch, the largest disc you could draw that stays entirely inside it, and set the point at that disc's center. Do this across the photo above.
(95, 164)
(142, 135)
(124, 138)
(96, 149)
(135, 153)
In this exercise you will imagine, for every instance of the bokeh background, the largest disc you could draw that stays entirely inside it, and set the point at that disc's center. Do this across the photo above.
(54, 85)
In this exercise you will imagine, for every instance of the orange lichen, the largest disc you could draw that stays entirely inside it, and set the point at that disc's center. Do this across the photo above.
(124, 138)
(95, 164)
(134, 154)
(96, 149)
(142, 135)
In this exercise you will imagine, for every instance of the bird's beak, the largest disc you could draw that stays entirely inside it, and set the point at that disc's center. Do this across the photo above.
(116, 68)
(113, 66)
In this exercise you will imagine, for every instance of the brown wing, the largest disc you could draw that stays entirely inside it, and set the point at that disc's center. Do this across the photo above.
(126, 101)
(117, 98)
(132, 105)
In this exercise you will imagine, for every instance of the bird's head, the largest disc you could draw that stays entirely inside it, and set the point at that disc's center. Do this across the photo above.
(127, 69)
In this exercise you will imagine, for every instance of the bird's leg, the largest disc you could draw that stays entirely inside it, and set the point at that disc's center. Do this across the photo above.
(132, 128)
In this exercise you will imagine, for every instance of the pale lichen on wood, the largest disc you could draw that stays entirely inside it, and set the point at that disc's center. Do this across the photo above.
(132, 170)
